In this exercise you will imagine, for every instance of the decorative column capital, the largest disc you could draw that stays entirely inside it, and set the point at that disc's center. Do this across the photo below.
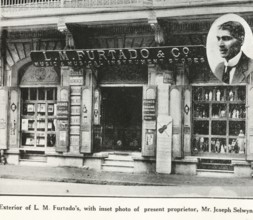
(62, 27)
(159, 34)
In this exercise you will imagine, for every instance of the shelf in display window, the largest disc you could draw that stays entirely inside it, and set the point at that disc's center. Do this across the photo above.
(236, 102)
(209, 101)
(28, 116)
(219, 119)
(200, 119)
(201, 135)
(51, 132)
(41, 115)
(212, 136)
(218, 102)
(237, 119)
(215, 136)
(28, 148)
(28, 132)
(40, 134)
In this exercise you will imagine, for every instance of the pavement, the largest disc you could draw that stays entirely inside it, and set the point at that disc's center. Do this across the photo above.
(89, 176)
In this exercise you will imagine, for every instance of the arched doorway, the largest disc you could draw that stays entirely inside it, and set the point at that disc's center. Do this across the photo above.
(38, 88)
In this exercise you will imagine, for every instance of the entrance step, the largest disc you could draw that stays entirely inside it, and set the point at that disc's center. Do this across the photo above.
(215, 173)
(121, 169)
(126, 157)
(118, 163)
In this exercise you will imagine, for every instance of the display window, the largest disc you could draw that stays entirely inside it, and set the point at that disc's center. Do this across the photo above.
(219, 119)
(38, 118)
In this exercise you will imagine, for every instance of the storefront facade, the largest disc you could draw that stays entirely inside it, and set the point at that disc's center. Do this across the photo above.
(172, 116)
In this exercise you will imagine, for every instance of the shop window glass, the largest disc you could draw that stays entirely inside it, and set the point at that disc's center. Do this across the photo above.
(41, 94)
(51, 140)
(235, 127)
(38, 118)
(219, 119)
(218, 127)
(50, 94)
(25, 95)
(33, 94)
(201, 127)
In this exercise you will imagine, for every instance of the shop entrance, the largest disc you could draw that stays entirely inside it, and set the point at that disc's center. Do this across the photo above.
(121, 118)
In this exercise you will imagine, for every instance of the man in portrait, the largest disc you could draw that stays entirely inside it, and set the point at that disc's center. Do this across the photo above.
(236, 67)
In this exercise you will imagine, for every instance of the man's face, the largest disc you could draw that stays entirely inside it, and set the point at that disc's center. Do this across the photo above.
(228, 45)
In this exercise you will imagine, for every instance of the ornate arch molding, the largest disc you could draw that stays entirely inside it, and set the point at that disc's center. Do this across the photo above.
(17, 50)
(25, 74)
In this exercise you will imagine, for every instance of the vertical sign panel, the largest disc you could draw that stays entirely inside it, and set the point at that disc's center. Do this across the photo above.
(3, 118)
(86, 120)
(13, 119)
(63, 119)
(149, 115)
(97, 103)
(164, 144)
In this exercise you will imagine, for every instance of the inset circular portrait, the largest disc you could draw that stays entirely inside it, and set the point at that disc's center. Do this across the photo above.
(229, 49)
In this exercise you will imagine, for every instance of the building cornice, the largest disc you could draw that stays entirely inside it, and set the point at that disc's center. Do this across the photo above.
(107, 16)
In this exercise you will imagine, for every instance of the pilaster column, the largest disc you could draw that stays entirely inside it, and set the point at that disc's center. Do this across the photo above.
(164, 123)
(76, 82)
(74, 79)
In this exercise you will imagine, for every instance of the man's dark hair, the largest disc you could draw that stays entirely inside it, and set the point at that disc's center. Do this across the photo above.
(235, 28)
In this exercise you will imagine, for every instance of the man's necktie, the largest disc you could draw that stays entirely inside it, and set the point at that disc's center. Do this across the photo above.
(226, 74)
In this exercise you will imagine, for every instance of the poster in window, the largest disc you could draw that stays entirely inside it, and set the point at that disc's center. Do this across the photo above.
(24, 124)
(50, 108)
(29, 141)
(42, 108)
(30, 108)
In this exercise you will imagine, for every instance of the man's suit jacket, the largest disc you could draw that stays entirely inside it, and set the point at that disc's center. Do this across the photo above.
(243, 72)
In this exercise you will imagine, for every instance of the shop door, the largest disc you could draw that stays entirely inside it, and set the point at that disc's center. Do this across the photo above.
(122, 118)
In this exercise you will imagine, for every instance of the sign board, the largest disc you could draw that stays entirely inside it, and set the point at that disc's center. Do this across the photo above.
(149, 109)
(100, 57)
(149, 120)
(164, 144)
(76, 80)
(63, 124)
(62, 109)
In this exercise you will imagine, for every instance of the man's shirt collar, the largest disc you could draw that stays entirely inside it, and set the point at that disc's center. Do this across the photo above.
(234, 61)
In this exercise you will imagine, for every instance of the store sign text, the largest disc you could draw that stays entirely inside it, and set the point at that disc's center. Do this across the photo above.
(149, 109)
(62, 109)
(99, 57)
